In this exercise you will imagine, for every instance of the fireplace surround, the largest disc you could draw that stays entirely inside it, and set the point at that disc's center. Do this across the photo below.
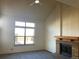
(67, 46)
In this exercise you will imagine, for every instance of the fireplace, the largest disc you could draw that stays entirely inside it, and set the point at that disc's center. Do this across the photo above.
(67, 46)
(65, 49)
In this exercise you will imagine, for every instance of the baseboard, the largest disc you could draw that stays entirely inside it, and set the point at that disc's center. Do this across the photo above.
(25, 52)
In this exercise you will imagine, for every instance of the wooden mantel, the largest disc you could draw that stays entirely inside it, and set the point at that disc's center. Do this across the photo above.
(67, 38)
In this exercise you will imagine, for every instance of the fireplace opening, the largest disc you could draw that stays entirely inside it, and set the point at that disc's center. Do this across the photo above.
(65, 49)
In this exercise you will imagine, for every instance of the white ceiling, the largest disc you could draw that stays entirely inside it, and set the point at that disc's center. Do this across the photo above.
(23, 8)
(74, 3)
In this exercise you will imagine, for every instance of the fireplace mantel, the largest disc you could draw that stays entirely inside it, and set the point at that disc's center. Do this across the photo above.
(67, 38)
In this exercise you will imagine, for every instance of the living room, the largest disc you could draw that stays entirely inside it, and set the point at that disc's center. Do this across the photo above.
(49, 20)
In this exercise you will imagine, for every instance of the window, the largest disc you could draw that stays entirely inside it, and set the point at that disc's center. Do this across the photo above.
(24, 33)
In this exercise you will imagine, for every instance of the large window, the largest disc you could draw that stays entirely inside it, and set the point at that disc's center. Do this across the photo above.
(24, 33)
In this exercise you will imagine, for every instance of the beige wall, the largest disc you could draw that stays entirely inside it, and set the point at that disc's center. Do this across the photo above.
(70, 16)
(52, 29)
(70, 24)
(7, 36)
(12, 10)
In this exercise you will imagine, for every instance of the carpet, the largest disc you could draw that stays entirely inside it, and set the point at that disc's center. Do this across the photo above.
(29, 55)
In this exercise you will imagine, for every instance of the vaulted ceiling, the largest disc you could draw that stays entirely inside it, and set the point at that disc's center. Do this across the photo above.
(74, 3)
(23, 8)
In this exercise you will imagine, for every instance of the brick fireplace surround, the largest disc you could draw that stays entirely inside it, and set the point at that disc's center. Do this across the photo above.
(69, 40)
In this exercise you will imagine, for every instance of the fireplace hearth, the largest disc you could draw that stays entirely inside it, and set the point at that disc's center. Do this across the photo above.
(67, 46)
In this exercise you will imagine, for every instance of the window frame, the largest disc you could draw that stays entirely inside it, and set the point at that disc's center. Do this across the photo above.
(25, 27)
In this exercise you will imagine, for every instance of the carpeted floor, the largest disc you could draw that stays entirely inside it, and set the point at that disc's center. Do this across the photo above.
(29, 55)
